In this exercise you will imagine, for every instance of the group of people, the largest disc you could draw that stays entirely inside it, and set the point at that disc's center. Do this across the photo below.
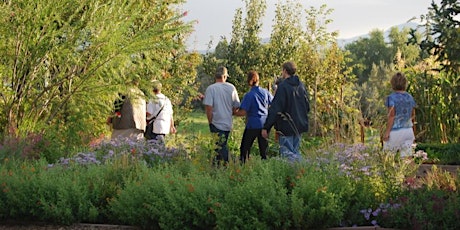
(287, 111)
(132, 114)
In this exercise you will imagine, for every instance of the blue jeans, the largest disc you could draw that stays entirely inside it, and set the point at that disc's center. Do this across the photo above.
(222, 149)
(289, 148)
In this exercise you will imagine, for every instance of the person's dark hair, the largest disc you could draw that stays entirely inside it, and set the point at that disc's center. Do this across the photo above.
(290, 68)
(398, 81)
(253, 78)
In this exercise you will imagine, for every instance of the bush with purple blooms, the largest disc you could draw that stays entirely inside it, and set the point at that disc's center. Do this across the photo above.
(151, 152)
(148, 185)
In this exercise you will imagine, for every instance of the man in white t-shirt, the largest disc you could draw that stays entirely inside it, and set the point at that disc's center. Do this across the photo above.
(221, 100)
(160, 110)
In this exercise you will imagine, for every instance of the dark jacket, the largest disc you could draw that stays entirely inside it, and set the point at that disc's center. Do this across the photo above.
(289, 108)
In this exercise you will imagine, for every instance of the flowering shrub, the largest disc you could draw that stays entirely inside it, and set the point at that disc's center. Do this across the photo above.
(29, 147)
(119, 182)
(420, 156)
(421, 208)
(151, 152)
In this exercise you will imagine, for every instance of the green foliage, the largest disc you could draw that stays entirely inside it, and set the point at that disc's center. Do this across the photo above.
(23, 148)
(169, 200)
(366, 52)
(258, 198)
(437, 76)
(330, 188)
(63, 62)
(34, 191)
(439, 210)
(282, 45)
(298, 35)
(404, 54)
(313, 201)
(373, 92)
(442, 38)
(245, 49)
(437, 101)
(448, 154)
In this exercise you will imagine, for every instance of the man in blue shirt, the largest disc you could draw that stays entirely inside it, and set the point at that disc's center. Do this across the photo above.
(255, 107)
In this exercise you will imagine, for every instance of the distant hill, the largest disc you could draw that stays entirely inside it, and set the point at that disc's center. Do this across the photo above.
(343, 41)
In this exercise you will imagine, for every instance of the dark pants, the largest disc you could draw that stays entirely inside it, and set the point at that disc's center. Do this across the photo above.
(159, 137)
(222, 148)
(249, 136)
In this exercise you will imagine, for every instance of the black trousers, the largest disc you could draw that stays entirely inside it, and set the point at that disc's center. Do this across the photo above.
(249, 136)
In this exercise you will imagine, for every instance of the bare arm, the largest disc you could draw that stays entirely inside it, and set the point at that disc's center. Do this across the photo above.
(209, 113)
(413, 120)
(391, 119)
(172, 128)
(239, 112)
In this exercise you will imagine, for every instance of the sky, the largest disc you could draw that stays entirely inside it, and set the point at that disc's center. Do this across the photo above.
(350, 17)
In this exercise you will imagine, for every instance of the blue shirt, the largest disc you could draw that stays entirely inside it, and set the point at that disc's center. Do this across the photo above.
(403, 104)
(256, 103)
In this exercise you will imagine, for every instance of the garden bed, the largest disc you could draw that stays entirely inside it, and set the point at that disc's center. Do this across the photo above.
(43, 226)
(425, 168)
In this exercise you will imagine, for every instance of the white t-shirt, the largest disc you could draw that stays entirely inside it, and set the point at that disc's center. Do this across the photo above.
(162, 123)
(222, 97)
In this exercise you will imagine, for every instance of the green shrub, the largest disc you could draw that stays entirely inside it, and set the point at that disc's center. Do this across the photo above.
(256, 197)
(424, 208)
(342, 185)
(448, 154)
(33, 191)
(165, 198)
(36, 191)
(313, 204)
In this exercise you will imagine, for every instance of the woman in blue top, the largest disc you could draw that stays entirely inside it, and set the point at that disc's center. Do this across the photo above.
(255, 107)
(399, 134)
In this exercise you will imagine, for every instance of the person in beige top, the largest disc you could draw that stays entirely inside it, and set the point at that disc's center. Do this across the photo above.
(129, 119)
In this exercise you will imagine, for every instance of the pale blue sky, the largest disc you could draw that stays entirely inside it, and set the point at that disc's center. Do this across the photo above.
(350, 17)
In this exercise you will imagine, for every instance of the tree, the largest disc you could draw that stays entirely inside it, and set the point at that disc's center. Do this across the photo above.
(285, 38)
(301, 36)
(443, 34)
(62, 62)
(404, 53)
(322, 66)
(245, 50)
(437, 79)
(366, 52)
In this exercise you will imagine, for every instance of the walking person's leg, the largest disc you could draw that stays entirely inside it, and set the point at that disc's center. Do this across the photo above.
(249, 136)
(289, 147)
(222, 148)
(263, 145)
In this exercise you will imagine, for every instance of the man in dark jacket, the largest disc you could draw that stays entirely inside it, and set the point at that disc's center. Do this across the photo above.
(289, 110)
